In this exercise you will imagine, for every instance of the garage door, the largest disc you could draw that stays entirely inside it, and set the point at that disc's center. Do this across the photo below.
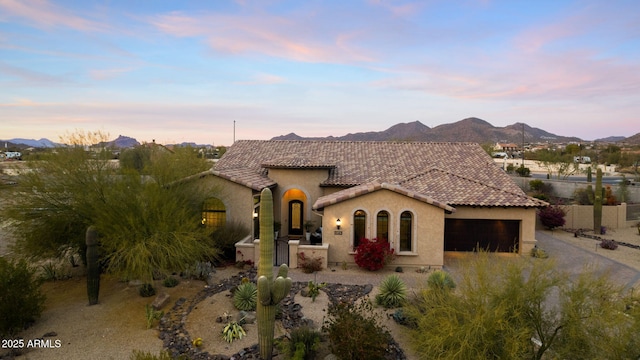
(490, 235)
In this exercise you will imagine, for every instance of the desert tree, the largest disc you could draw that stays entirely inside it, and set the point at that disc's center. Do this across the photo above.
(525, 308)
(147, 222)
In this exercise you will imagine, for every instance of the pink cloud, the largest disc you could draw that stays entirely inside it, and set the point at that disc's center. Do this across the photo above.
(400, 9)
(45, 14)
(293, 38)
(29, 76)
(105, 74)
(264, 79)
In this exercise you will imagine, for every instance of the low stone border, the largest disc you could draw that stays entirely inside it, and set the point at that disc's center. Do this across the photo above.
(177, 341)
(580, 233)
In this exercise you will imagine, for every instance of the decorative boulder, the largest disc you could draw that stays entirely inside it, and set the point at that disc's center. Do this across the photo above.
(160, 301)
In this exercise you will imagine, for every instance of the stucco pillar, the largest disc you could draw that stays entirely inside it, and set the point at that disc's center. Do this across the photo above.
(293, 253)
(622, 215)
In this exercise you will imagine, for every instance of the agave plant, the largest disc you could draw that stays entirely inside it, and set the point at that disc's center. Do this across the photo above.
(245, 296)
(440, 279)
(393, 292)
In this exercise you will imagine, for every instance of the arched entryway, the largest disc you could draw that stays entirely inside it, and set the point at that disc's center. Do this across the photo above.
(295, 201)
(296, 216)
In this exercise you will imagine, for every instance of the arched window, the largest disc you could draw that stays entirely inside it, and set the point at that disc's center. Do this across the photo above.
(359, 227)
(214, 214)
(382, 225)
(406, 227)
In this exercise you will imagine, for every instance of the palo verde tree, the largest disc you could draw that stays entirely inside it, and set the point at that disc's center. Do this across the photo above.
(145, 222)
(525, 309)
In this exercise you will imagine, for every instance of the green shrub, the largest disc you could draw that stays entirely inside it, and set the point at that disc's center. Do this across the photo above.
(442, 280)
(523, 171)
(302, 344)
(233, 331)
(227, 236)
(245, 296)
(536, 185)
(314, 289)
(21, 301)
(146, 290)
(393, 292)
(536, 252)
(170, 281)
(584, 196)
(354, 331)
(152, 315)
(542, 197)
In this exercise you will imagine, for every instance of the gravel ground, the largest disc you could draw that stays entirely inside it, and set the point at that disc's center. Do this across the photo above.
(116, 326)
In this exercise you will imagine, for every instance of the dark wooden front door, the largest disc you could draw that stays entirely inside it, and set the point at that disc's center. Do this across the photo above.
(296, 214)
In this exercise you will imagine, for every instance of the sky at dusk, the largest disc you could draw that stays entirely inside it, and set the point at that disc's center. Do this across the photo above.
(184, 71)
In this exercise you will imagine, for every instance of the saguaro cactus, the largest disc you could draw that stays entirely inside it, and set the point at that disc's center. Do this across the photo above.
(93, 266)
(270, 292)
(597, 204)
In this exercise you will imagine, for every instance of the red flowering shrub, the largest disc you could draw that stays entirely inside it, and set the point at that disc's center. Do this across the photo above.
(373, 254)
(552, 217)
(309, 264)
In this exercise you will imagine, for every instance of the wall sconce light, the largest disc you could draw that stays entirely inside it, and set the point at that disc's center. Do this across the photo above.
(338, 223)
(255, 214)
(204, 220)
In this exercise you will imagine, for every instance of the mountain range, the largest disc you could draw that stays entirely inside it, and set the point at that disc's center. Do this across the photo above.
(466, 130)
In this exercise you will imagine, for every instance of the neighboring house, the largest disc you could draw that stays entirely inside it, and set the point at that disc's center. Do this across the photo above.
(505, 147)
(424, 198)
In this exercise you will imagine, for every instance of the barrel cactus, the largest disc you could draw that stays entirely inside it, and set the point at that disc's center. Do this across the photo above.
(93, 265)
(270, 291)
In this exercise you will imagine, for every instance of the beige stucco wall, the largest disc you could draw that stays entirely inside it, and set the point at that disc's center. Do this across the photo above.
(428, 228)
(581, 216)
(526, 215)
(237, 199)
(307, 182)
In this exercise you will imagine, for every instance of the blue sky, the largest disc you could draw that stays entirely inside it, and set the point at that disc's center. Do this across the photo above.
(179, 71)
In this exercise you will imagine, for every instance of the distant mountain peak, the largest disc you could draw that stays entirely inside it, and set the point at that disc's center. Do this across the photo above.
(42, 143)
(471, 129)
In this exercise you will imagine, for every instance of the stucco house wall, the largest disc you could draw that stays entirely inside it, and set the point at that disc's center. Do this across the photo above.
(237, 199)
(428, 228)
(526, 215)
(305, 180)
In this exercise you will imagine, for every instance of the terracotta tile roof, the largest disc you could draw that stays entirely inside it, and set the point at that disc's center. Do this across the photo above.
(458, 190)
(359, 190)
(294, 161)
(246, 177)
(449, 173)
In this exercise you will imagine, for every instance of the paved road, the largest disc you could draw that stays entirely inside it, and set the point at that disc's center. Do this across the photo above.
(568, 258)
(573, 259)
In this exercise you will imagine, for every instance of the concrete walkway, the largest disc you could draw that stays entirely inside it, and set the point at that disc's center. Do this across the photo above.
(574, 260)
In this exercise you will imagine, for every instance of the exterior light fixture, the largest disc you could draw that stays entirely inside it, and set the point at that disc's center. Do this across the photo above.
(204, 220)
(338, 223)
(255, 214)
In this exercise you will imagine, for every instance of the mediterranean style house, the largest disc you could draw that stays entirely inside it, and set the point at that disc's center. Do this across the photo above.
(424, 198)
